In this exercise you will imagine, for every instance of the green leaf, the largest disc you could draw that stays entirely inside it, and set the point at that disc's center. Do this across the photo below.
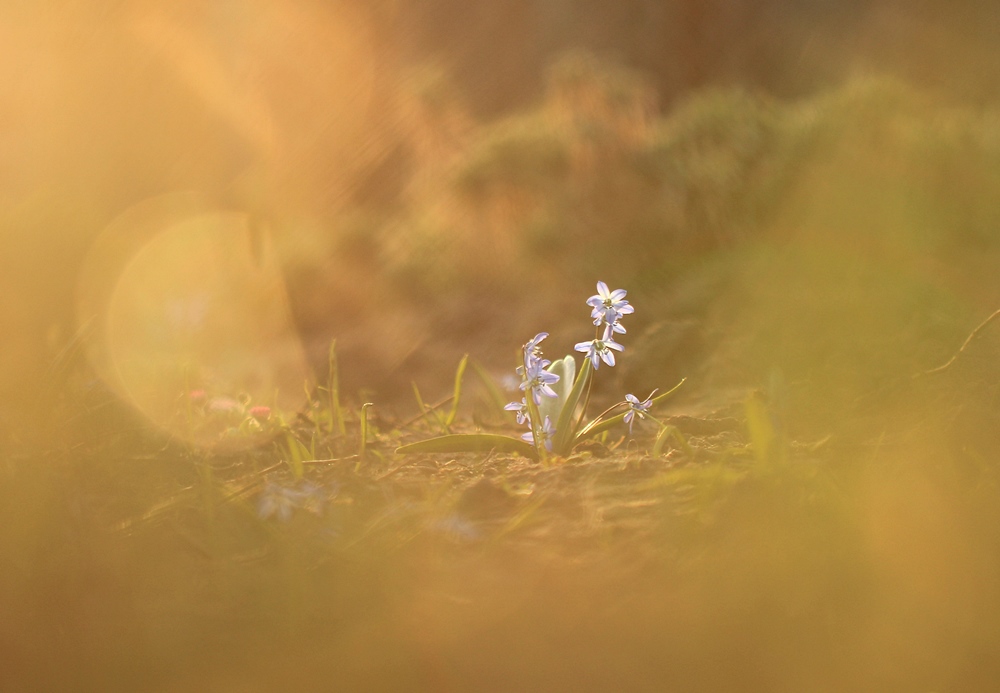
(470, 442)
(458, 391)
(599, 426)
(552, 407)
(565, 436)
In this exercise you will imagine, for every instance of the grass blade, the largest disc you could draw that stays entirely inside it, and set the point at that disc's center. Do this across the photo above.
(450, 419)
(364, 427)
(333, 389)
(766, 444)
(296, 455)
(671, 432)
(495, 395)
(428, 410)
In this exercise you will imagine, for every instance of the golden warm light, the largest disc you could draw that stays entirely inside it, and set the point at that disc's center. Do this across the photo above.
(199, 306)
(304, 385)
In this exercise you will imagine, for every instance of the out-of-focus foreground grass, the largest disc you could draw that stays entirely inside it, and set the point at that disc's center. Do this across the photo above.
(822, 566)
(827, 252)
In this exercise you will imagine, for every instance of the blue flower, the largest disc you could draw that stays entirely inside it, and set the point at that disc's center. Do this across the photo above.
(521, 408)
(609, 306)
(534, 377)
(615, 326)
(637, 408)
(533, 355)
(531, 348)
(548, 430)
(603, 349)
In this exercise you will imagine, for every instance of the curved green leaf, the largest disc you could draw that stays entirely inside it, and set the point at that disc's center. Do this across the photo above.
(552, 407)
(470, 442)
(565, 436)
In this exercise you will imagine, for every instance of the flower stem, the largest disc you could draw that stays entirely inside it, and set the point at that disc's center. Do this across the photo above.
(590, 384)
(604, 413)
(536, 426)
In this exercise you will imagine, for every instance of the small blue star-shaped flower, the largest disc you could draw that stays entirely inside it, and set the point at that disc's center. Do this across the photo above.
(547, 431)
(609, 306)
(637, 408)
(521, 408)
(532, 346)
(534, 377)
(532, 357)
(603, 349)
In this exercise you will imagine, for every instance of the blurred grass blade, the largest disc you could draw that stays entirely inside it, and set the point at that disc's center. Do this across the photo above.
(459, 374)
(495, 395)
(428, 410)
(420, 400)
(521, 517)
(364, 427)
(666, 433)
(333, 388)
(470, 442)
(595, 427)
(363, 448)
(296, 455)
(760, 428)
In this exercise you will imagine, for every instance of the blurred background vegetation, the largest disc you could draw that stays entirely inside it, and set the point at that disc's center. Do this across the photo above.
(799, 197)
(417, 166)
